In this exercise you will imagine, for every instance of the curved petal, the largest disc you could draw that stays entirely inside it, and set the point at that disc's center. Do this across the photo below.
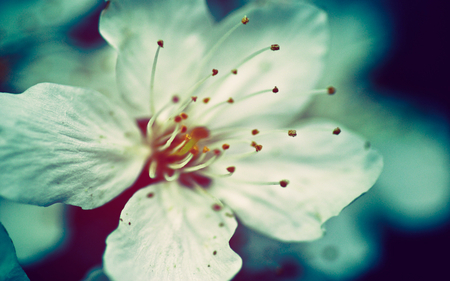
(169, 232)
(35, 231)
(301, 31)
(325, 172)
(10, 269)
(65, 144)
(134, 27)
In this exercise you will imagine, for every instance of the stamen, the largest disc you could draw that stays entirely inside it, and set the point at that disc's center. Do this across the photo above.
(177, 119)
(292, 133)
(231, 169)
(275, 90)
(182, 163)
(331, 90)
(275, 47)
(194, 98)
(184, 115)
(152, 79)
(234, 71)
(206, 100)
(230, 100)
(258, 147)
(205, 149)
(172, 137)
(183, 129)
(152, 170)
(337, 131)
(173, 177)
(201, 166)
(175, 99)
(255, 132)
(220, 41)
(225, 146)
(284, 183)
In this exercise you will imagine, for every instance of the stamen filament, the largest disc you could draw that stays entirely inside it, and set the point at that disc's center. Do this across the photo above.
(182, 163)
(152, 170)
(175, 176)
(152, 79)
(201, 166)
(201, 190)
(211, 52)
(172, 137)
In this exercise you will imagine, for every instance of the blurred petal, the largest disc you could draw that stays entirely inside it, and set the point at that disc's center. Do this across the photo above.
(34, 230)
(326, 173)
(134, 27)
(168, 232)
(10, 269)
(64, 144)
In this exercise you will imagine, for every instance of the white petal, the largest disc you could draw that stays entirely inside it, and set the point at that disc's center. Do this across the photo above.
(134, 27)
(326, 172)
(10, 269)
(35, 231)
(173, 235)
(302, 33)
(64, 144)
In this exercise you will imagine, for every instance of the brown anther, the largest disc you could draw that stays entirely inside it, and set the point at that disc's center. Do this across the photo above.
(214, 72)
(275, 47)
(206, 100)
(184, 115)
(292, 133)
(215, 253)
(225, 146)
(230, 100)
(194, 98)
(234, 71)
(216, 207)
(187, 137)
(275, 90)
(150, 195)
(178, 119)
(258, 147)
(194, 150)
(216, 152)
(205, 149)
(337, 131)
(331, 90)
(245, 20)
(284, 183)
(231, 169)
(161, 43)
(255, 132)
(253, 144)
(183, 129)
(175, 99)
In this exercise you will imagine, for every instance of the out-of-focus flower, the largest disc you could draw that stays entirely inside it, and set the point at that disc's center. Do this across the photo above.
(10, 269)
(201, 143)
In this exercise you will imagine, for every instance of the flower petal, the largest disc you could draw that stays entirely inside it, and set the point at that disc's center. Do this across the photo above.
(65, 144)
(300, 30)
(35, 231)
(134, 27)
(169, 232)
(10, 269)
(325, 172)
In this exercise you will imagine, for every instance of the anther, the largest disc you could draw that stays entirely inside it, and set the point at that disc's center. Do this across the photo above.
(245, 20)
(184, 115)
(216, 207)
(183, 129)
(258, 147)
(331, 90)
(337, 131)
(175, 99)
(177, 119)
(230, 100)
(275, 47)
(255, 132)
(231, 169)
(161, 43)
(194, 98)
(253, 144)
(194, 150)
(292, 133)
(225, 146)
(205, 149)
(214, 72)
(216, 152)
(284, 183)
(234, 71)
(275, 89)
(206, 100)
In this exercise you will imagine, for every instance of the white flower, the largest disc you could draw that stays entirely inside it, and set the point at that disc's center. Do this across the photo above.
(212, 144)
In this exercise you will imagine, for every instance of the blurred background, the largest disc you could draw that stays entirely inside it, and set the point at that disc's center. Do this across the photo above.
(389, 61)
